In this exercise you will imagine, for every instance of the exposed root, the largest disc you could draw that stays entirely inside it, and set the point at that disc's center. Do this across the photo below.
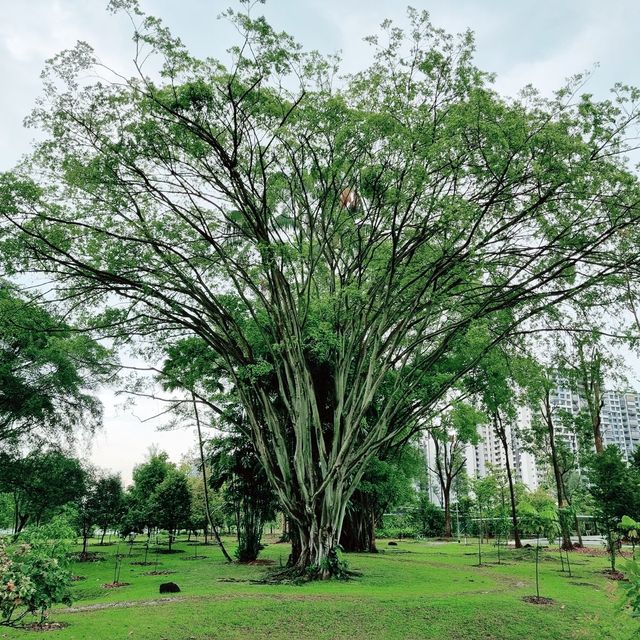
(299, 575)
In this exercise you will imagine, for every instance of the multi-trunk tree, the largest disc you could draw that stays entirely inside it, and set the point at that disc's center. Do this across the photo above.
(208, 198)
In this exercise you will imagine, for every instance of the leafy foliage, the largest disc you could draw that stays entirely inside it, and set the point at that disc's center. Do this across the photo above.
(46, 372)
(34, 573)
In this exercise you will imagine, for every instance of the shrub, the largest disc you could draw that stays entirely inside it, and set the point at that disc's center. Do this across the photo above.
(428, 519)
(34, 573)
(632, 586)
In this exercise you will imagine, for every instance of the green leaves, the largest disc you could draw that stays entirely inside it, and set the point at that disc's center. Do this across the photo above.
(44, 370)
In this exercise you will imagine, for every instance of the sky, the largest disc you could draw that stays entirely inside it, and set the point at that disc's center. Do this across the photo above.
(524, 42)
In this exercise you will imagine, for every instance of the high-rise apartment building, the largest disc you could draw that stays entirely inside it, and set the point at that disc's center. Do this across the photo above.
(619, 423)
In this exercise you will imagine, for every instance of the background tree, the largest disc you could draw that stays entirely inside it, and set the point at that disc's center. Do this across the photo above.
(207, 199)
(500, 380)
(171, 503)
(615, 489)
(427, 517)
(487, 497)
(41, 483)
(109, 502)
(237, 472)
(549, 447)
(457, 429)
(147, 477)
(85, 510)
(543, 521)
(387, 483)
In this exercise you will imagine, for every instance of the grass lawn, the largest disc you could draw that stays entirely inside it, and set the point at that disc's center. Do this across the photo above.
(414, 590)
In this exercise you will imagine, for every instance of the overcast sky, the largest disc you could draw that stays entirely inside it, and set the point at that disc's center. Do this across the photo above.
(523, 42)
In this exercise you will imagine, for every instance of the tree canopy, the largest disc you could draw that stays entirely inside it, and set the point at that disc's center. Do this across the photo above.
(47, 372)
(208, 199)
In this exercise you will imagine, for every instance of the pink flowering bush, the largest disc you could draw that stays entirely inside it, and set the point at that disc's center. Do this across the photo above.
(34, 574)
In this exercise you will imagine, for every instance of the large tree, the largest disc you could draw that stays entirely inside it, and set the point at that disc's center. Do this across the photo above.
(323, 238)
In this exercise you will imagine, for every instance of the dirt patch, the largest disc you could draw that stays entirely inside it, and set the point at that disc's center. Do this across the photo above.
(234, 580)
(538, 600)
(194, 558)
(78, 578)
(115, 585)
(145, 564)
(260, 562)
(45, 626)
(158, 573)
(126, 604)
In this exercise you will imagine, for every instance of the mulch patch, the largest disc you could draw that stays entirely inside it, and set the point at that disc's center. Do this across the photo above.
(158, 573)
(260, 562)
(89, 556)
(145, 564)
(194, 558)
(584, 584)
(115, 585)
(599, 553)
(538, 600)
(614, 575)
(78, 578)
(45, 626)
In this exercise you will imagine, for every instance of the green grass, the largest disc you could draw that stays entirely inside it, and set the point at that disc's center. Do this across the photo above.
(415, 590)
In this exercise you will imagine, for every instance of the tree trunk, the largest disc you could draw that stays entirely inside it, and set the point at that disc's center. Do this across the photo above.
(104, 533)
(207, 505)
(566, 544)
(596, 420)
(447, 512)
(358, 530)
(502, 434)
(317, 533)
(514, 515)
(23, 518)
(578, 530)
(85, 540)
